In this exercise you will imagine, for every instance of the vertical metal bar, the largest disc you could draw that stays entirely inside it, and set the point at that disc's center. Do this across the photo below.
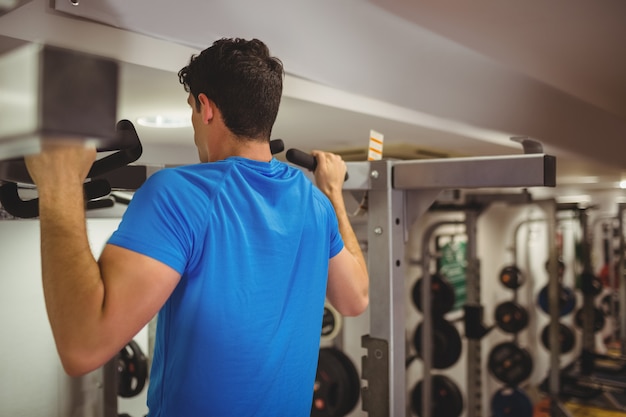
(387, 278)
(427, 323)
(109, 389)
(588, 336)
(472, 277)
(554, 289)
(608, 234)
(620, 277)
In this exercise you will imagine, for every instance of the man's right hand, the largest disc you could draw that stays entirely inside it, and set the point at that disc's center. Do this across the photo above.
(330, 172)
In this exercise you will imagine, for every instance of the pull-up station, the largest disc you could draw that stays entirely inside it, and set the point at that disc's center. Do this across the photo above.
(397, 190)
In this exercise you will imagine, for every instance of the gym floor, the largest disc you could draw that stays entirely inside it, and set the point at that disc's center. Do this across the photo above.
(581, 410)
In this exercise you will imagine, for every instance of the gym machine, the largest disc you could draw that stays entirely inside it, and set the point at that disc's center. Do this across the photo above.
(398, 193)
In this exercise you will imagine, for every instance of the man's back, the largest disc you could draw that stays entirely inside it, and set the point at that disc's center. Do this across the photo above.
(239, 335)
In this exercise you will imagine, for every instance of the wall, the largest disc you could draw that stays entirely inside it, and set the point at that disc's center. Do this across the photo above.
(32, 381)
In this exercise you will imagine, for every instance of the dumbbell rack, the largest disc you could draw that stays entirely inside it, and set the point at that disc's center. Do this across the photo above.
(427, 322)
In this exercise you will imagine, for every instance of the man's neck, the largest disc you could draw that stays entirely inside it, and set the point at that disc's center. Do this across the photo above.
(251, 149)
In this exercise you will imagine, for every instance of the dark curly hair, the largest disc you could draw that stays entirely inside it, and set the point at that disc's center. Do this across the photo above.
(243, 81)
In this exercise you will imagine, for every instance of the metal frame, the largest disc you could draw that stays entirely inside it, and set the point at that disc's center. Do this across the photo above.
(391, 185)
(621, 208)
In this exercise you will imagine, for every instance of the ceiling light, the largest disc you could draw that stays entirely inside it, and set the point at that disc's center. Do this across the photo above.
(164, 122)
(622, 184)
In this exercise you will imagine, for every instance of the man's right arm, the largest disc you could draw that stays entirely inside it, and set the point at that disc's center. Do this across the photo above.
(348, 279)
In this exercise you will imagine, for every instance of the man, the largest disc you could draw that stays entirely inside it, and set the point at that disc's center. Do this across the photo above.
(236, 254)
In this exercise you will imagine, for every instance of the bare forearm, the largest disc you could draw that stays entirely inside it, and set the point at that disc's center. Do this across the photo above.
(354, 292)
(350, 240)
(73, 289)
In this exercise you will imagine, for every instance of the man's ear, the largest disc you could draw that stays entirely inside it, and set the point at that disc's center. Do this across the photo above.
(206, 107)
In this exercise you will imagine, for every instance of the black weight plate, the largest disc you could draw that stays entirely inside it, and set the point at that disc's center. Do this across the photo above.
(560, 267)
(132, 370)
(328, 322)
(446, 343)
(511, 317)
(511, 277)
(598, 319)
(443, 295)
(510, 363)
(447, 400)
(511, 402)
(610, 300)
(353, 391)
(337, 384)
(567, 339)
(567, 301)
(590, 284)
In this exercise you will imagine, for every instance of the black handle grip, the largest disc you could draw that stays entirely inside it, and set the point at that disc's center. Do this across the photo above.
(100, 204)
(127, 142)
(14, 205)
(28, 209)
(277, 146)
(304, 159)
(130, 150)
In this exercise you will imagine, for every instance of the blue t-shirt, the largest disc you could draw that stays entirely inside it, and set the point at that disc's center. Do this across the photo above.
(239, 335)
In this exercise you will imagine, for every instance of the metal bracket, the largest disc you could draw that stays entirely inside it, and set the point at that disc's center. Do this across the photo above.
(375, 365)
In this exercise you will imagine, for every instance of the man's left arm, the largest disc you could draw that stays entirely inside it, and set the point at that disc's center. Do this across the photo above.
(94, 307)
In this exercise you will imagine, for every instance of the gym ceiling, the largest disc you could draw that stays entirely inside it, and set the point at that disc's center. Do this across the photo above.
(447, 77)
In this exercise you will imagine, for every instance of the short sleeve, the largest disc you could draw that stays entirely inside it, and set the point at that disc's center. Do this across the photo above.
(154, 223)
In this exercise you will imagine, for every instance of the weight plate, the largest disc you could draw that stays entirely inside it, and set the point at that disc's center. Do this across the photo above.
(447, 399)
(132, 370)
(610, 301)
(331, 323)
(590, 284)
(511, 277)
(443, 295)
(560, 267)
(510, 363)
(337, 385)
(598, 319)
(567, 339)
(511, 402)
(511, 317)
(446, 343)
(567, 301)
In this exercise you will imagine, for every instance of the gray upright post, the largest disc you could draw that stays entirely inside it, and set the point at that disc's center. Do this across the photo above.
(384, 366)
